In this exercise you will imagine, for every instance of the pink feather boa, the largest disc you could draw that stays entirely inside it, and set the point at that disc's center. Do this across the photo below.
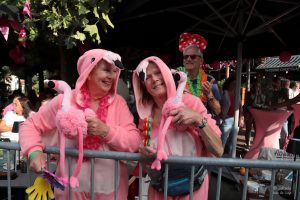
(93, 142)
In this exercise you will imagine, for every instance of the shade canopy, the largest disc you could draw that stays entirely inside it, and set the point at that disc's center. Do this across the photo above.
(266, 27)
(274, 64)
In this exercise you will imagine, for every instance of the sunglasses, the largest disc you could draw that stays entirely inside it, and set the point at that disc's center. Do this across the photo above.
(193, 57)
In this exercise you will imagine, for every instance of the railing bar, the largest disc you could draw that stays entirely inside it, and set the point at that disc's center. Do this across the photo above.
(166, 177)
(69, 175)
(172, 159)
(140, 179)
(192, 182)
(92, 178)
(8, 175)
(298, 185)
(245, 184)
(28, 171)
(219, 183)
(272, 185)
(116, 179)
(48, 161)
(19, 156)
(15, 160)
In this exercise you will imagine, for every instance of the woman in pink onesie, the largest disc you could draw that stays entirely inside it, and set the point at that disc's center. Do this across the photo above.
(192, 132)
(111, 129)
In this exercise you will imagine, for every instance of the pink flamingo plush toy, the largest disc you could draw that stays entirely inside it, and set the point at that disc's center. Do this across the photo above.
(71, 123)
(171, 103)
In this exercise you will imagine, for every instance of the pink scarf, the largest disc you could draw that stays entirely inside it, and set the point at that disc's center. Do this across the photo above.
(93, 142)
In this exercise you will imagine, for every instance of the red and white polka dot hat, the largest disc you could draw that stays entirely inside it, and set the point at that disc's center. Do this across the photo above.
(187, 39)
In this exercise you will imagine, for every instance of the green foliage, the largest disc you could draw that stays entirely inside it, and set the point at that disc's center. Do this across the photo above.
(66, 22)
(35, 80)
(221, 82)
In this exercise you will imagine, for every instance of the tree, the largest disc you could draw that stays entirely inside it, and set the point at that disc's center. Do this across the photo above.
(66, 23)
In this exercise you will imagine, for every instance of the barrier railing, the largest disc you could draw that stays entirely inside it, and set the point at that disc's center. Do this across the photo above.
(192, 161)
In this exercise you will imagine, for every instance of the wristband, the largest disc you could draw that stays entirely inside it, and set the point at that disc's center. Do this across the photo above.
(33, 154)
(203, 123)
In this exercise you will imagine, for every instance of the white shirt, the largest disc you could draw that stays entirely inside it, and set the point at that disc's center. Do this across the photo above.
(10, 117)
(293, 93)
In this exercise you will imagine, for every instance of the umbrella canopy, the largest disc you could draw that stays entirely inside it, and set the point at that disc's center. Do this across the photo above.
(265, 27)
(273, 64)
(234, 29)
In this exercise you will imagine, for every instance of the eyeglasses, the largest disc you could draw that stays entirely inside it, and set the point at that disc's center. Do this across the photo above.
(193, 57)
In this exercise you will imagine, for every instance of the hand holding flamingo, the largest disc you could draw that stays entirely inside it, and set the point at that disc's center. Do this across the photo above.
(71, 123)
(171, 103)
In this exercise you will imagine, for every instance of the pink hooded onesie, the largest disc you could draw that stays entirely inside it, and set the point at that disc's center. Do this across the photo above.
(123, 134)
(178, 141)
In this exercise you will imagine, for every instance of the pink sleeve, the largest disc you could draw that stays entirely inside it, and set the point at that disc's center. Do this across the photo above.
(7, 108)
(123, 134)
(38, 123)
(196, 104)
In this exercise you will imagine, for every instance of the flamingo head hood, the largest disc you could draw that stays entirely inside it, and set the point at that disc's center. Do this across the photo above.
(144, 107)
(86, 64)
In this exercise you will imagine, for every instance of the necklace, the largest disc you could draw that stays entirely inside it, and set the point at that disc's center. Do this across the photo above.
(195, 91)
(147, 127)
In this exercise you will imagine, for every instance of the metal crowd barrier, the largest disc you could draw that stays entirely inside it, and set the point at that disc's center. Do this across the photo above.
(192, 161)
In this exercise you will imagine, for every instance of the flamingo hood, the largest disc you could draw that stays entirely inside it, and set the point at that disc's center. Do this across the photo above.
(86, 64)
(144, 108)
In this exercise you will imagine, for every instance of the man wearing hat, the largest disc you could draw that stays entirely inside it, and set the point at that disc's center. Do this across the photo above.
(192, 46)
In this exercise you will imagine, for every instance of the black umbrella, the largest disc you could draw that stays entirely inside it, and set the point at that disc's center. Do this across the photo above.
(235, 29)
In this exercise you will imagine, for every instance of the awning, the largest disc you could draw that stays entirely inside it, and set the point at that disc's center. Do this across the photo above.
(273, 64)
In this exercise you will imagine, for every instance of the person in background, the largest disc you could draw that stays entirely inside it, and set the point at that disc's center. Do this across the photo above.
(284, 96)
(111, 129)
(287, 103)
(216, 92)
(279, 93)
(192, 47)
(274, 94)
(22, 109)
(215, 88)
(227, 114)
(9, 106)
(254, 98)
(294, 89)
(293, 92)
(153, 84)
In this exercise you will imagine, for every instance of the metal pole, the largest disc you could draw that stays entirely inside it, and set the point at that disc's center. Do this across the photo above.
(140, 179)
(237, 98)
(8, 175)
(116, 178)
(166, 181)
(192, 182)
(297, 185)
(92, 178)
(248, 75)
(219, 183)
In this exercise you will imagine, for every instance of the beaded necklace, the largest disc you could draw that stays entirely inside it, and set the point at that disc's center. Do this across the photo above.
(195, 91)
(147, 127)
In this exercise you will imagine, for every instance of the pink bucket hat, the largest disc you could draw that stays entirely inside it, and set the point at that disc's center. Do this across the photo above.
(139, 76)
